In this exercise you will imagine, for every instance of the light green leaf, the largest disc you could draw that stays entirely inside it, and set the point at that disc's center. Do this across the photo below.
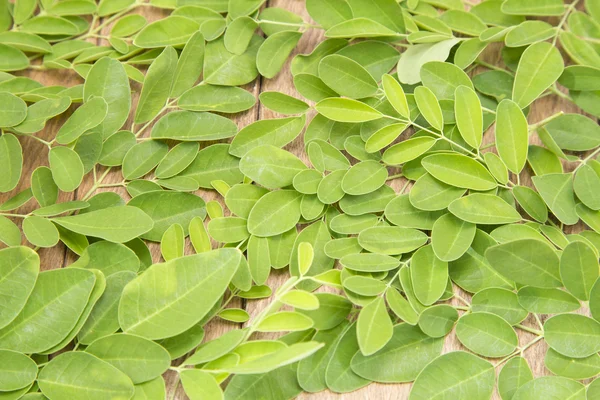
(551, 386)
(451, 237)
(484, 209)
(469, 118)
(11, 162)
(374, 327)
(166, 208)
(276, 132)
(108, 79)
(486, 334)
(270, 166)
(573, 368)
(347, 110)
(512, 135)
(144, 313)
(172, 242)
(443, 79)
(407, 343)
(466, 376)
(78, 375)
(364, 177)
(216, 98)
(391, 240)
(140, 359)
(285, 321)
(501, 302)
(460, 171)
(524, 7)
(189, 65)
(429, 107)
(579, 269)
(557, 192)
(228, 69)
(547, 301)
(193, 126)
(514, 374)
(346, 77)
(437, 321)
(14, 110)
(526, 261)
(200, 385)
(539, 67)
(18, 370)
(170, 31)
(275, 213)
(52, 310)
(157, 86)
(40, 231)
(91, 114)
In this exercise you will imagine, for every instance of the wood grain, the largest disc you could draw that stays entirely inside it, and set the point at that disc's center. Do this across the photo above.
(35, 154)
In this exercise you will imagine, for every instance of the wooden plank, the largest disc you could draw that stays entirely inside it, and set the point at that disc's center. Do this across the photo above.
(35, 154)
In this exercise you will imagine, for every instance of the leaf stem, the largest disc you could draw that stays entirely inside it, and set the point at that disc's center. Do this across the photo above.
(545, 121)
(568, 11)
(585, 160)
(530, 330)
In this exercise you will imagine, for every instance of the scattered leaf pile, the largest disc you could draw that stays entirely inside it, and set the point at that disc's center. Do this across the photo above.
(394, 94)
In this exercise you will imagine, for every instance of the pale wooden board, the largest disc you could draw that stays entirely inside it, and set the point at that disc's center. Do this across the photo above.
(35, 154)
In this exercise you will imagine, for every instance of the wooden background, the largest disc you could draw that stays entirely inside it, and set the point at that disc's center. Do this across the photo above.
(36, 154)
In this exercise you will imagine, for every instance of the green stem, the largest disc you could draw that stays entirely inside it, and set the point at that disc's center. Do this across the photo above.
(545, 121)
(464, 301)
(530, 330)
(568, 11)
(585, 160)
(491, 66)
(395, 176)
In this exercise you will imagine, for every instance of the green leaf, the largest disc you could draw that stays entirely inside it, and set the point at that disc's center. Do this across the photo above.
(346, 77)
(166, 208)
(470, 377)
(20, 267)
(514, 374)
(216, 98)
(451, 237)
(338, 377)
(140, 359)
(369, 262)
(460, 171)
(374, 327)
(115, 224)
(395, 95)
(484, 209)
(276, 132)
(501, 302)
(185, 126)
(289, 355)
(347, 110)
(108, 79)
(86, 117)
(401, 307)
(172, 242)
(62, 294)
(429, 107)
(173, 30)
(408, 150)
(200, 385)
(285, 321)
(76, 375)
(10, 234)
(512, 135)
(103, 319)
(443, 79)
(526, 261)
(157, 86)
(189, 65)
(11, 162)
(391, 240)
(539, 67)
(151, 390)
(143, 157)
(529, 32)
(364, 177)
(486, 334)
(523, 7)
(573, 368)
(40, 231)
(437, 321)
(325, 157)
(409, 350)
(14, 110)
(531, 202)
(270, 166)
(228, 69)
(429, 275)
(40, 112)
(283, 103)
(207, 275)
(216, 348)
(178, 159)
(359, 27)
(12, 59)
(469, 118)
(116, 147)
(547, 301)
(579, 269)
(557, 192)
(551, 386)
(18, 370)
(574, 132)
(416, 56)
(275, 213)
